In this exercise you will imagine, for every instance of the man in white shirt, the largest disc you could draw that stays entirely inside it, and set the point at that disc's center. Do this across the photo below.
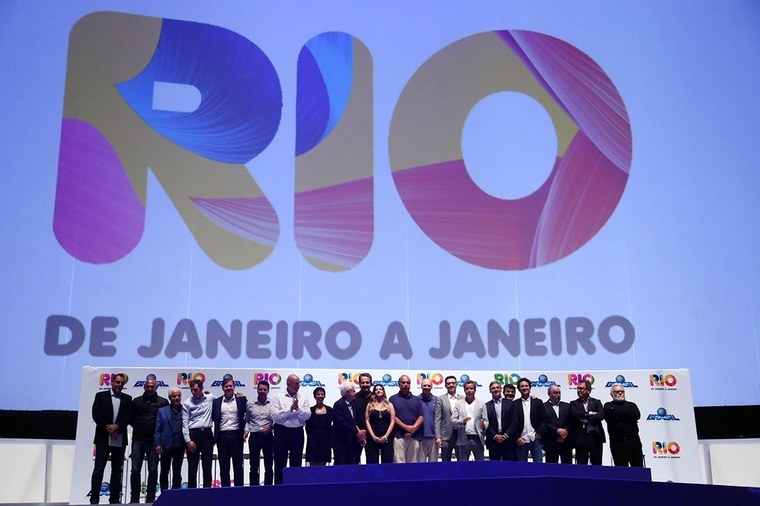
(228, 414)
(471, 420)
(290, 410)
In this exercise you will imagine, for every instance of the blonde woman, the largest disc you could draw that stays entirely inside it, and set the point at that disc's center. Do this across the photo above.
(380, 418)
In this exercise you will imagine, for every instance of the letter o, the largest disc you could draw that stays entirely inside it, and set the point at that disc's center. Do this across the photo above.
(587, 180)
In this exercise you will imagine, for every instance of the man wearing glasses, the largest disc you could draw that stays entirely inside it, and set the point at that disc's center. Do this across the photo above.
(622, 418)
(586, 415)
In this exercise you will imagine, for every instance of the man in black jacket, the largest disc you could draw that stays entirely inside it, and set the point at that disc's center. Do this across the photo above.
(531, 417)
(622, 419)
(144, 412)
(502, 430)
(228, 415)
(557, 443)
(111, 412)
(586, 415)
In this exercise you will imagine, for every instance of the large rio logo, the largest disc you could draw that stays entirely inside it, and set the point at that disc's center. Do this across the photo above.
(122, 118)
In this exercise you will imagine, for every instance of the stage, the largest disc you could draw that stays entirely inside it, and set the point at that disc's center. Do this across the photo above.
(468, 483)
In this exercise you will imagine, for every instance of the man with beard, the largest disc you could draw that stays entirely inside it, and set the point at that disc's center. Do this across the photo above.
(531, 423)
(622, 419)
(144, 411)
(260, 436)
(362, 399)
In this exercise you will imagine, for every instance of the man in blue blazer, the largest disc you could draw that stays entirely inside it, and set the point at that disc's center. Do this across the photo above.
(228, 415)
(110, 437)
(168, 441)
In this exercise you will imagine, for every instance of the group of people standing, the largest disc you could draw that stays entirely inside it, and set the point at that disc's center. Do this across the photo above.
(402, 428)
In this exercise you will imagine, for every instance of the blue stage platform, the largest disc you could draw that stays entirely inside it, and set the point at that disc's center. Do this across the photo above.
(451, 483)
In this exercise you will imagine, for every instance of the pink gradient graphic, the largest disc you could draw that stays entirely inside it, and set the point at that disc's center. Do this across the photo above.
(335, 223)
(98, 216)
(581, 87)
(252, 218)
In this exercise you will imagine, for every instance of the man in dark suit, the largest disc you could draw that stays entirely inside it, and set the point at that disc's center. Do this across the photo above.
(347, 439)
(445, 434)
(531, 417)
(228, 415)
(502, 425)
(112, 413)
(168, 442)
(557, 444)
(586, 415)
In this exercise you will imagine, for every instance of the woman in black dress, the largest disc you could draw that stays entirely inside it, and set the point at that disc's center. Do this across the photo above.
(380, 417)
(319, 431)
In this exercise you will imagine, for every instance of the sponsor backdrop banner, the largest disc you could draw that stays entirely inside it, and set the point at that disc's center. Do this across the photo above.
(667, 427)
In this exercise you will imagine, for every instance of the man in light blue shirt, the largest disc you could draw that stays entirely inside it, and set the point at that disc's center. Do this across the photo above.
(196, 430)
(428, 448)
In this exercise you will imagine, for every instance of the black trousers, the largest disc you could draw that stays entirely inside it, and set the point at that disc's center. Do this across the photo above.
(102, 451)
(229, 446)
(204, 442)
(559, 453)
(288, 449)
(588, 447)
(261, 445)
(172, 459)
(379, 453)
(143, 451)
(627, 453)
(502, 452)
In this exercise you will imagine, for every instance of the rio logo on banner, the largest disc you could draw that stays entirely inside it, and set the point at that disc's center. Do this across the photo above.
(122, 118)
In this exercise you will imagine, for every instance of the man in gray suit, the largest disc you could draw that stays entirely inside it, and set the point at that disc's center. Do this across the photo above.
(445, 435)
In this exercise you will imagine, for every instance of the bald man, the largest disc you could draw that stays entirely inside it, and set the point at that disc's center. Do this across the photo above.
(290, 410)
